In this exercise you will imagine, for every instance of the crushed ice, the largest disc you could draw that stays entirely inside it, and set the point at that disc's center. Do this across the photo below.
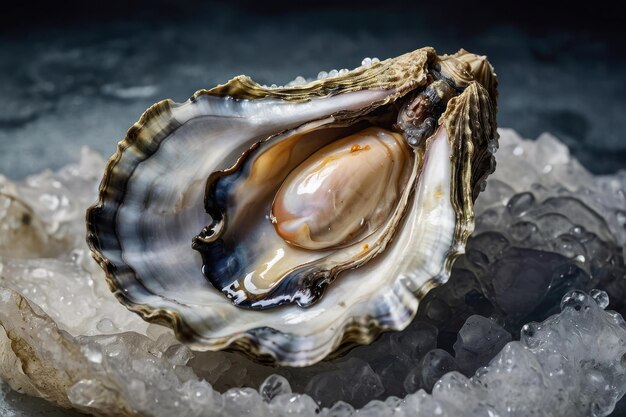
(519, 329)
(300, 80)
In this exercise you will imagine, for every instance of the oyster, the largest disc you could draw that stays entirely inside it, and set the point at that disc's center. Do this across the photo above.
(350, 196)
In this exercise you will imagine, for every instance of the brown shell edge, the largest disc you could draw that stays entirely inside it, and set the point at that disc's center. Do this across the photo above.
(470, 120)
(355, 331)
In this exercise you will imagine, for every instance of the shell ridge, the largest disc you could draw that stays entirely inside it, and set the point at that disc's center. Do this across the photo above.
(469, 120)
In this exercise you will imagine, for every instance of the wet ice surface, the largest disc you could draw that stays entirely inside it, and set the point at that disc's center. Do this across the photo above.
(76, 87)
(545, 227)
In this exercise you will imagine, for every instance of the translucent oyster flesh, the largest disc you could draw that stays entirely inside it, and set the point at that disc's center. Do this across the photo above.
(434, 119)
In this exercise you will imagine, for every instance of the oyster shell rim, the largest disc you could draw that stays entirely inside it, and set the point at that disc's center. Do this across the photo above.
(353, 331)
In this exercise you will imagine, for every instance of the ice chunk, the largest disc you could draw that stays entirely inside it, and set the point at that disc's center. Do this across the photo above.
(569, 365)
(540, 233)
(479, 340)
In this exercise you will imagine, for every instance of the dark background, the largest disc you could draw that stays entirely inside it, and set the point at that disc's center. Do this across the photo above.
(597, 17)
(82, 72)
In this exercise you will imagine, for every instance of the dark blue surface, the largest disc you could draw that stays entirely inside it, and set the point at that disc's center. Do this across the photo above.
(84, 77)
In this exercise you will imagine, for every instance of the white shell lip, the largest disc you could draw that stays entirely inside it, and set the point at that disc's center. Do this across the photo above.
(198, 314)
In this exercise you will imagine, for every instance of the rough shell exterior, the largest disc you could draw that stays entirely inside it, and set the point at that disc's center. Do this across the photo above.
(151, 205)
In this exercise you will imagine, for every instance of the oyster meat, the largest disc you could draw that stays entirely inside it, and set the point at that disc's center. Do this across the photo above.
(287, 222)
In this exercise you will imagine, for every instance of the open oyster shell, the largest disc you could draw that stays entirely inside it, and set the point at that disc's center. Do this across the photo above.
(213, 171)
